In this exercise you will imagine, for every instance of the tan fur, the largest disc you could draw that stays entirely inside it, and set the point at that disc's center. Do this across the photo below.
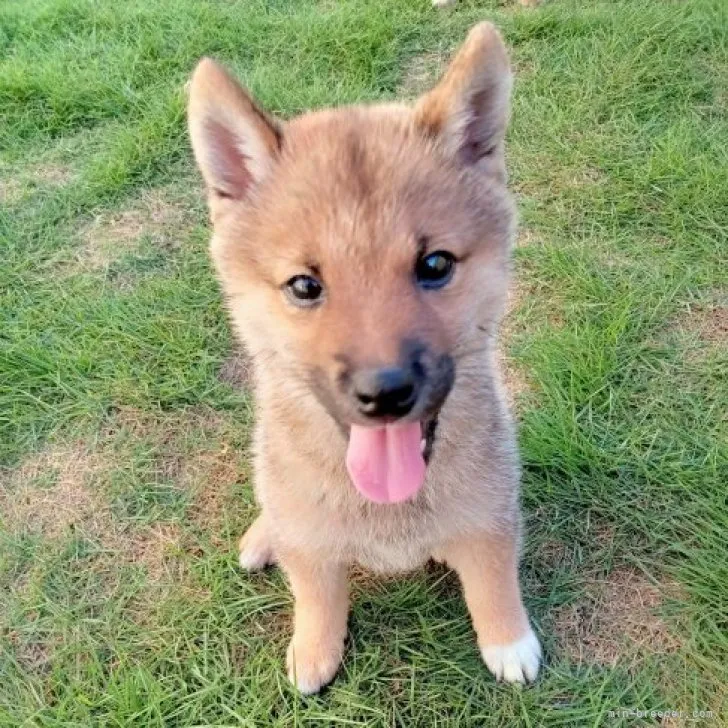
(488, 569)
(347, 192)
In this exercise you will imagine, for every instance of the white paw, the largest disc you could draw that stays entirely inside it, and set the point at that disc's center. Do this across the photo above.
(516, 662)
(254, 557)
(256, 549)
(443, 3)
(313, 668)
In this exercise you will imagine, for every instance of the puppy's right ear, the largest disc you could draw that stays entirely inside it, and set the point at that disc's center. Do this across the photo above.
(234, 141)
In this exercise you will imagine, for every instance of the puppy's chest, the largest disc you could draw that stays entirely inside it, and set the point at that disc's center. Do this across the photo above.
(391, 558)
(307, 489)
(385, 539)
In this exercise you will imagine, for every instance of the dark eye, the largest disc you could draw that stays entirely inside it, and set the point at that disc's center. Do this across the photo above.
(435, 270)
(304, 290)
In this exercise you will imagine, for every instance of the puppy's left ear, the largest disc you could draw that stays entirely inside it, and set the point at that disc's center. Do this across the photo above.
(468, 110)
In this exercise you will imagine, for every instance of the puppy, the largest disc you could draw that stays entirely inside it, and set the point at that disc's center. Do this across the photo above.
(364, 254)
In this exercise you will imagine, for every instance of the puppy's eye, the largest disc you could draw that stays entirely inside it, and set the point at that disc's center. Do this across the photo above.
(304, 291)
(435, 270)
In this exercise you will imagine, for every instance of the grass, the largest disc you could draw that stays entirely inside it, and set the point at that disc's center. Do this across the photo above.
(123, 440)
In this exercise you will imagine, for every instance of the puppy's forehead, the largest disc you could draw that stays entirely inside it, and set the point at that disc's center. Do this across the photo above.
(366, 186)
(357, 150)
(359, 176)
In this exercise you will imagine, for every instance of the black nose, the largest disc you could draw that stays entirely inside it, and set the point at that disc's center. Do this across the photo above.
(387, 392)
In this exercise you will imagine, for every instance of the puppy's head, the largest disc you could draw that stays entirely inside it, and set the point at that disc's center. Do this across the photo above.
(365, 249)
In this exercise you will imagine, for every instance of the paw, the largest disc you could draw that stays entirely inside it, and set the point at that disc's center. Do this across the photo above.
(443, 3)
(515, 662)
(311, 665)
(256, 549)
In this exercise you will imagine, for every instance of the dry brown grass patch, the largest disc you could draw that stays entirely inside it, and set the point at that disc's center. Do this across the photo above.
(156, 547)
(527, 236)
(420, 73)
(156, 214)
(196, 450)
(617, 619)
(32, 655)
(56, 508)
(54, 175)
(72, 502)
(209, 476)
(586, 176)
(236, 370)
(11, 189)
(15, 185)
(709, 322)
(552, 553)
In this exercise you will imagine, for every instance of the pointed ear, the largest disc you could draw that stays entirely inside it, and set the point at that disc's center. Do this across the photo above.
(468, 110)
(234, 141)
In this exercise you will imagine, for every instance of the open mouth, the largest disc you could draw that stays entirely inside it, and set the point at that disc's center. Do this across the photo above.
(429, 430)
(388, 463)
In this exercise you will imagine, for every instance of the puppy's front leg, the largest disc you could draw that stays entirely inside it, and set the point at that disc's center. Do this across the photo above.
(321, 609)
(488, 569)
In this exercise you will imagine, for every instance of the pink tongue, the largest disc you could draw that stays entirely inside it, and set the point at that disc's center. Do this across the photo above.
(386, 463)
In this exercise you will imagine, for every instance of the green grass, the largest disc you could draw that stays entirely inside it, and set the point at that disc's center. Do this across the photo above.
(123, 450)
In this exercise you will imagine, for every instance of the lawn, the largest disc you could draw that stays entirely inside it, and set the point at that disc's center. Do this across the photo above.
(125, 414)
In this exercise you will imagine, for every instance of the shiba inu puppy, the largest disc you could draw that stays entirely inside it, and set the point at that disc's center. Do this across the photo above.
(364, 254)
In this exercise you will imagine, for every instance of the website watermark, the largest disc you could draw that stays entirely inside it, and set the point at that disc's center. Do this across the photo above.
(694, 715)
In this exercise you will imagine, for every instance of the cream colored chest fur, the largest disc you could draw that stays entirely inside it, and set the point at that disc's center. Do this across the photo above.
(471, 486)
